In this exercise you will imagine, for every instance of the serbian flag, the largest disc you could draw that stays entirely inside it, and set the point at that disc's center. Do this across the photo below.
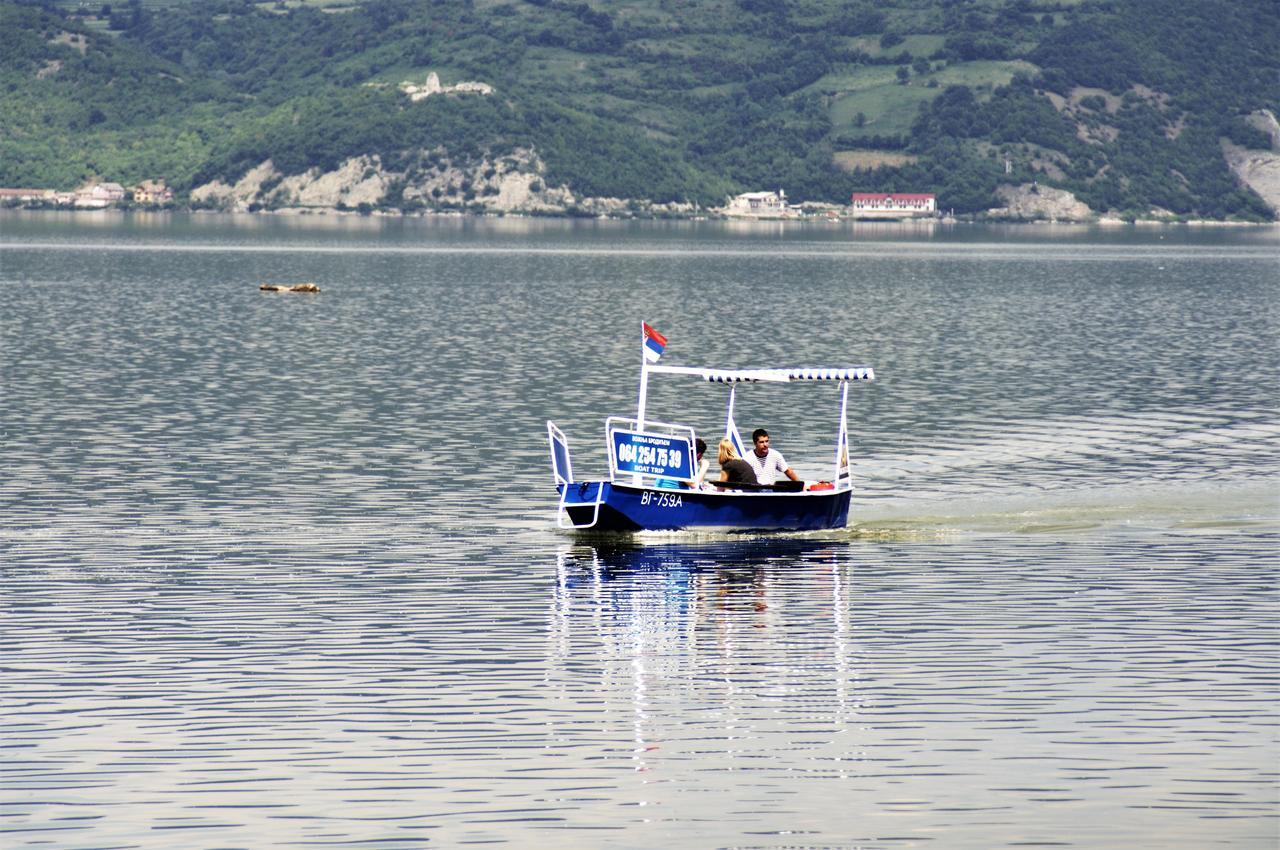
(653, 343)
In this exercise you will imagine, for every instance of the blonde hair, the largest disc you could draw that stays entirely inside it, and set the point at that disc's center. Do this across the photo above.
(727, 451)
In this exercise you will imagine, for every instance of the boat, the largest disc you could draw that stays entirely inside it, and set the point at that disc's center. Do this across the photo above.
(654, 483)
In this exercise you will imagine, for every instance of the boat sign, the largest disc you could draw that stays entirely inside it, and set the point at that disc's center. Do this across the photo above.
(646, 453)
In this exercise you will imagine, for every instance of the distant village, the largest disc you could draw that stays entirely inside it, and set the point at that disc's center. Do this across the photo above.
(883, 206)
(96, 196)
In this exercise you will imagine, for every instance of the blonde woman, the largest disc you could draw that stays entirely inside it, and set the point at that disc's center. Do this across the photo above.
(733, 469)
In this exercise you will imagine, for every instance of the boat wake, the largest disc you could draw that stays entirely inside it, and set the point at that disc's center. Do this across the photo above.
(1184, 470)
(1183, 506)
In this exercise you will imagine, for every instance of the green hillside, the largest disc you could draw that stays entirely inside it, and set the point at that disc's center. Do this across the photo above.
(1123, 103)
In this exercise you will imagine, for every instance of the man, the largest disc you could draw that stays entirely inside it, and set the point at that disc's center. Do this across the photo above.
(767, 462)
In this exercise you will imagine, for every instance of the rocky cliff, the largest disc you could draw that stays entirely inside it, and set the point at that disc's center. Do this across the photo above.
(513, 183)
(1030, 202)
(1259, 170)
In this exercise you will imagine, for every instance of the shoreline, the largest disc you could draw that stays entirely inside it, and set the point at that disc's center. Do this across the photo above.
(1107, 221)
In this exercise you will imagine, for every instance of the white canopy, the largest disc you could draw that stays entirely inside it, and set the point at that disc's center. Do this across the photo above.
(849, 373)
(734, 376)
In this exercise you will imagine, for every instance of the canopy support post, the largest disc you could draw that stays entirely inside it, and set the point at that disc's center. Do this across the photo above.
(730, 426)
(843, 475)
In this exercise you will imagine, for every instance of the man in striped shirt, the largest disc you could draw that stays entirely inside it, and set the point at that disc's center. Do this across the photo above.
(768, 463)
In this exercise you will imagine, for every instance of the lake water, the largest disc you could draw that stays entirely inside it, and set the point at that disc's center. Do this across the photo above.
(282, 570)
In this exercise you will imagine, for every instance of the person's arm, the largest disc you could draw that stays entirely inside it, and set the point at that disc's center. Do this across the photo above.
(791, 473)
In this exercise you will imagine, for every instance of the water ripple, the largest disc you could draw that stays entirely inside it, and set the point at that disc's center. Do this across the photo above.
(281, 571)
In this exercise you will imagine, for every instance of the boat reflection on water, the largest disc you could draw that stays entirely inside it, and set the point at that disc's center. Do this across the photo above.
(686, 567)
(748, 636)
(689, 579)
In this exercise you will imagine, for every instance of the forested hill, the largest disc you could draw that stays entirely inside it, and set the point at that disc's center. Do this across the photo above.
(1132, 105)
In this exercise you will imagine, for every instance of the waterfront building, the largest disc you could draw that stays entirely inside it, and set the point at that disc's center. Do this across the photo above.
(890, 205)
(760, 204)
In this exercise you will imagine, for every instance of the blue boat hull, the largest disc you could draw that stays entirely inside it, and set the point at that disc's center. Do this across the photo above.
(623, 507)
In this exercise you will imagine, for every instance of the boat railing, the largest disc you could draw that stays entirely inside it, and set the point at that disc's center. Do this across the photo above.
(562, 470)
(561, 463)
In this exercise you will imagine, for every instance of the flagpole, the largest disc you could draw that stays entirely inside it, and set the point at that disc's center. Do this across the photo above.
(644, 389)
(644, 381)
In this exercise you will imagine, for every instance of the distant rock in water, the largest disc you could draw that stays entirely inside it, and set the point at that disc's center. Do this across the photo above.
(286, 287)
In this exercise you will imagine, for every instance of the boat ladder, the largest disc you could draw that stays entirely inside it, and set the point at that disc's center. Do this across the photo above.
(563, 520)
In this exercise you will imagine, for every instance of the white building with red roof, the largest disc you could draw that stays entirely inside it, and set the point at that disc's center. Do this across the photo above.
(890, 205)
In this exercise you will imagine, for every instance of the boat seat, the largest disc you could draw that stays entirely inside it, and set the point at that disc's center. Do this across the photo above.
(784, 486)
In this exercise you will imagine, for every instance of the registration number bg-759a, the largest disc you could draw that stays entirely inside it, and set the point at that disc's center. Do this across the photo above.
(662, 500)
